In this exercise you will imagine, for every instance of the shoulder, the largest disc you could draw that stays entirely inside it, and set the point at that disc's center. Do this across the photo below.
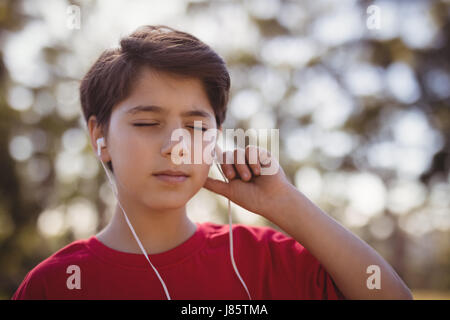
(36, 282)
(264, 236)
(74, 252)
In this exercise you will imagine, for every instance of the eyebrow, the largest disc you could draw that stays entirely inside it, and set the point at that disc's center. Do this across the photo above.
(158, 109)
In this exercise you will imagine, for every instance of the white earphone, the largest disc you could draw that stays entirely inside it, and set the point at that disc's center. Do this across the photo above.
(101, 144)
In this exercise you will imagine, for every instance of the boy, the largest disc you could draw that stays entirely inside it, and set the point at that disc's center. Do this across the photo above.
(133, 98)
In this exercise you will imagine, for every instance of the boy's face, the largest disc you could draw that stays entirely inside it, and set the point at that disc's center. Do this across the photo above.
(139, 142)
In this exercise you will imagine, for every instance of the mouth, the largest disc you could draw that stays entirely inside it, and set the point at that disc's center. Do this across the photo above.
(171, 176)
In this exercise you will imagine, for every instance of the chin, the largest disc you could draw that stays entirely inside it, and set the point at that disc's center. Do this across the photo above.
(167, 200)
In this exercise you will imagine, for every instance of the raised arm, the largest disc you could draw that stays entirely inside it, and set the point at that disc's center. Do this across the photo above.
(345, 257)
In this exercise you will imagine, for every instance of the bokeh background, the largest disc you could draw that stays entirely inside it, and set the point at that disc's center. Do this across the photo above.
(360, 91)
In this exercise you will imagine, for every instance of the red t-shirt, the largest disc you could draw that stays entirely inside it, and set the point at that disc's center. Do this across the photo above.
(273, 266)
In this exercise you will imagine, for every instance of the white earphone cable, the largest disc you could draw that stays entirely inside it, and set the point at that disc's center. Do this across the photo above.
(230, 222)
(115, 192)
(134, 233)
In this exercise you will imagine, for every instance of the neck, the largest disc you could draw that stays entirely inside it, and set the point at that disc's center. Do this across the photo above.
(158, 230)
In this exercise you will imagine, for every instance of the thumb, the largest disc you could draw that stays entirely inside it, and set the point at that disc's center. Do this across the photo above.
(217, 186)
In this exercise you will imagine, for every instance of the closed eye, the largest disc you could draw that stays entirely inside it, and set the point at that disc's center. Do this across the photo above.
(155, 124)
(199, 128)
(144, 124)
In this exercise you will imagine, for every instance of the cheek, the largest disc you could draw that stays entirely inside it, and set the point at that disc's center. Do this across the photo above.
(131, 159)
(199, 174)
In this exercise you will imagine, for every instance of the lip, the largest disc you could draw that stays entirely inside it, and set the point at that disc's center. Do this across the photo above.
(171, 179)
(171, 176)
(171, 173)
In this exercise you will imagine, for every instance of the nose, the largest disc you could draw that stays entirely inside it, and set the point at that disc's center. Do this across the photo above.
(176, 145)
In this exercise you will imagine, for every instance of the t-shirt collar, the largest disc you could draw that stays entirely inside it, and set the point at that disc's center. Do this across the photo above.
(159, 260)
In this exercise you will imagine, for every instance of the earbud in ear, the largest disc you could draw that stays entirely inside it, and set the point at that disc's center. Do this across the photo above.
(100, 144)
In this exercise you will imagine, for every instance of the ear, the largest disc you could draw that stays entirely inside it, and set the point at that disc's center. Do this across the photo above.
(95, 133)
(217, 150)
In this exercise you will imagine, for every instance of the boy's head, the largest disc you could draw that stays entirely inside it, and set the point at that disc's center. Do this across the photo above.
(183, 80)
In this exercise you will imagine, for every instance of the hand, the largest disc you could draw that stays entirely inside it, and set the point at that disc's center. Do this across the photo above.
(247, 184)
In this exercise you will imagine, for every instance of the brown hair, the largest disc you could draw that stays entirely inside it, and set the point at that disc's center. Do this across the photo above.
(111, 77)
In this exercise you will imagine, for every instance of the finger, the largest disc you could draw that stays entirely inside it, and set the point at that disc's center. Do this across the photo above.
(241, 165)
(252, 157)
(227, 165)
(225, 161)
(217, 186)
(221, 158)
(264, 157)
